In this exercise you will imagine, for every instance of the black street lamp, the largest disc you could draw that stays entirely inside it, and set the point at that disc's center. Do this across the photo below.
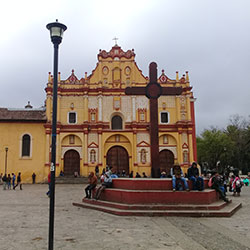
(6, 157)
(56, 34)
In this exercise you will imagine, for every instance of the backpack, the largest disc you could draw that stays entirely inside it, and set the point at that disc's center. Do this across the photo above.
(238, 184)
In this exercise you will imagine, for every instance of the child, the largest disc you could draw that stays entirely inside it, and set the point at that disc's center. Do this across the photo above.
(236, 186)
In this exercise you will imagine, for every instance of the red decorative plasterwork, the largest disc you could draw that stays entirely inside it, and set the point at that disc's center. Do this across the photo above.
(92, 145)
(116, 51)
(143, 144)
(72, 78)
(163, 78)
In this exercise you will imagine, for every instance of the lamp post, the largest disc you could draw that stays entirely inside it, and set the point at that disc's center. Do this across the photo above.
(56, 33)
(6, 157)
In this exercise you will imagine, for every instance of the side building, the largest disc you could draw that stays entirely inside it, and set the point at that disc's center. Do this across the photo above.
(99, 125)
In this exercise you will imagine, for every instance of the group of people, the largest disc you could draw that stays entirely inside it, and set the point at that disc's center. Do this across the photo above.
(11, 181)
(179, 181)
(106, 182)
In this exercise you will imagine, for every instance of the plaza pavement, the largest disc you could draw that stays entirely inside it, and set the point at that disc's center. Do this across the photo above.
(24, 217)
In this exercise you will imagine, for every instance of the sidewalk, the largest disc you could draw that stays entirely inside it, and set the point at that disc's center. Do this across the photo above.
(24, 219)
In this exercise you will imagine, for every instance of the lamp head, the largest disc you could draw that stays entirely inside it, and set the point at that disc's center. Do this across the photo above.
(56, 31)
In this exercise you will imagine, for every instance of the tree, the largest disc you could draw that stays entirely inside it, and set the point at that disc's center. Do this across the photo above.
(214, 146)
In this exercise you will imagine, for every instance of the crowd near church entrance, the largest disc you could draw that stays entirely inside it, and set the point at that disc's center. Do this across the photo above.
(71, 162)
(118, 158)
(166, 160)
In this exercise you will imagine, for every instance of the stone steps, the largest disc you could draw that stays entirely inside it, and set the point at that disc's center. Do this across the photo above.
(154, 197)
(71, 180)
(226, 211)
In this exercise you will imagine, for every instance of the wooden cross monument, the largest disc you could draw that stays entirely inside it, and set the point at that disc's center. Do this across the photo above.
(153, 91)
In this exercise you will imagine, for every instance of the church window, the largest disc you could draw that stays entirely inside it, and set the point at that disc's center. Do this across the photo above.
(164, 117)
(116, 122)
(143, 156)
(26, 145)
(93, 115)
(71, 139)
(117, 103)
(142, 115)
(92, 156)
(72, 117)
(116, 75)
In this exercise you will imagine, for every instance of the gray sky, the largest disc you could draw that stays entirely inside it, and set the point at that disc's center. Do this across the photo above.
(208, 38)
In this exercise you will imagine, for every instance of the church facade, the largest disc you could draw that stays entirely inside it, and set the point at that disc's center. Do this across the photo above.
(99, 125)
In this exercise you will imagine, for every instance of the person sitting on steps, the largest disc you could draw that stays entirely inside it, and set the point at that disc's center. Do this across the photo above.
(107, 183)
(92, 180)
(194, 176)
(177, 178)
(216, 183)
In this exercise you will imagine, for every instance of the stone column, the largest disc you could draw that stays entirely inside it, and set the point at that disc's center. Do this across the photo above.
(85, 157)
(133, 109)
(100, 148)
(85, 108)
(99, 107)
(47, 149)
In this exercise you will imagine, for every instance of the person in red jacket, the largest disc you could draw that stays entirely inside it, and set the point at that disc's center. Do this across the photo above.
(49, 183)
(92, 184)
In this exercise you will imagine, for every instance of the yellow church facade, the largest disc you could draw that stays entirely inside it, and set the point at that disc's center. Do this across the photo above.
(99, 125)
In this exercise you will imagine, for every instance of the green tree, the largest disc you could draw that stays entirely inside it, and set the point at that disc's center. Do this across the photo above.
(214, 146)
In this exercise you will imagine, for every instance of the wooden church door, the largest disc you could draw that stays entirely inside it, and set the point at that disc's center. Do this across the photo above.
(166, 161)
(71, 162)
(117, 157)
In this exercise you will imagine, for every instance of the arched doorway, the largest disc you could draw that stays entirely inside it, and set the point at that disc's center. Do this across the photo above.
(117, 157)
(166, 160)
(71, 162)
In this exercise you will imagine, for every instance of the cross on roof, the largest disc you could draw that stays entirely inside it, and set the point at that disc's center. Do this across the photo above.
(153, 91)
(115, 39)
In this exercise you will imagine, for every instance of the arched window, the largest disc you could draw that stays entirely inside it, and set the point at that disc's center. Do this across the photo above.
(92, 156)
(116, 122)
(26, 145)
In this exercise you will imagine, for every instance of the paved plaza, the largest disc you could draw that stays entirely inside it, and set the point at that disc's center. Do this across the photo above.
(25, 217)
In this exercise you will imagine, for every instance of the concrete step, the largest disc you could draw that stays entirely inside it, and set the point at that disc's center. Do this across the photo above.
(214, 206)
(207, 196)
(71, 180)
(147, 183)
(226, 211)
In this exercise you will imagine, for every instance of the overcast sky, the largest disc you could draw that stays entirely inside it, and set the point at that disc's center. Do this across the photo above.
(208, 38)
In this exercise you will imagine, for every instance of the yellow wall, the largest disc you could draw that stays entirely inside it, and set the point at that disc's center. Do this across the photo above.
(11, 137)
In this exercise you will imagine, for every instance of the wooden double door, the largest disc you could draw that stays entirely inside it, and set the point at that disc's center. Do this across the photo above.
(166, 161)
(118, 158)
(71, 162)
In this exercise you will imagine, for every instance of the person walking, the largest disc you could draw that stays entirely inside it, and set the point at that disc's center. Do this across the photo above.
(49, 183)
(19, 182)
(13, 180)
(4, 179)
(33, 178)
(9, 181)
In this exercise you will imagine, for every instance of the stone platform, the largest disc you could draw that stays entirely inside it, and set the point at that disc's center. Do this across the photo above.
(154, 197)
